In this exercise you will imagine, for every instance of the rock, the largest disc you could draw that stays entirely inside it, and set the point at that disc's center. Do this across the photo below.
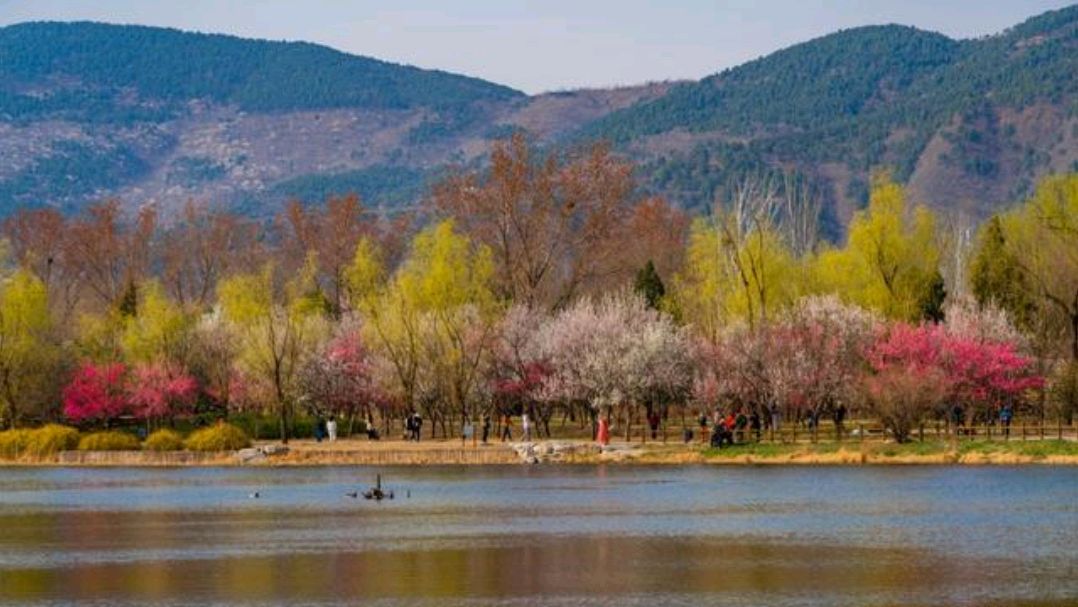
(272, 450)
(250, 455)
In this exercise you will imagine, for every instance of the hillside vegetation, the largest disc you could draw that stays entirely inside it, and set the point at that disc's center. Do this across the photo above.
(90, 111)
(91, 65)
(864, 98)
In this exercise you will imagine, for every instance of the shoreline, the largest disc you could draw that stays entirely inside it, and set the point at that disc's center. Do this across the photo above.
(450, 452)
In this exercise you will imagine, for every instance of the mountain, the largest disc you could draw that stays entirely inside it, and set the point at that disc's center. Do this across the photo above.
(967, 123)
(152, 115)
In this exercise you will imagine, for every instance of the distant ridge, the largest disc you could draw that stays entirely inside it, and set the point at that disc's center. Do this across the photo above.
(91, 110)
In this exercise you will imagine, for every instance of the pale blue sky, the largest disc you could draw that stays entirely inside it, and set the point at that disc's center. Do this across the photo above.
(543, 45)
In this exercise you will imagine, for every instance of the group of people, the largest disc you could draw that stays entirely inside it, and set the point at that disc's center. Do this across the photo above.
(734, 427)
(727, 429)
(325, 429)
(1005, 413)
(413, 426)
(507, 428)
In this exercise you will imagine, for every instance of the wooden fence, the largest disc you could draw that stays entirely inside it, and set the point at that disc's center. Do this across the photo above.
(874, 431)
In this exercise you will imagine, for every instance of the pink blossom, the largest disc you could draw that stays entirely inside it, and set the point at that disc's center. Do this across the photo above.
(96, 393)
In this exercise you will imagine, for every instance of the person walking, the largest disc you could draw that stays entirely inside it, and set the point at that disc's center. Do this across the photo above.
(755, 424)
(507, 428)
(839, 417)
(653, 423)
(467, 432)
(319, 429)
(958, 418)
(372, 431)
(1006, 414)
(418, 426)
(486, 427)
(331, 429)
(526, 428)
(602, 436)
(776, 417)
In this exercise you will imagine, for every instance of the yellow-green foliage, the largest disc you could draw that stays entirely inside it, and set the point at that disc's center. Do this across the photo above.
(41, 442)
(159, 329)
(223, 437)
(163, 440)
(50, 439)
(109, 441)
(890, 259)
(13, 443)
(366, 274)
(28, 355)
(445, 271)
(735, 275)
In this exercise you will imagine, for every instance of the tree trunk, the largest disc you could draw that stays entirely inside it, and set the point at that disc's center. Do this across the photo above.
(1074, 332)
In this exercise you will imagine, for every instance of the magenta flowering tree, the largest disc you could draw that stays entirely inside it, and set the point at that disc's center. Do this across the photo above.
(908, 379)
(97, 393)
(157, 391)
(934, 366)
(985, 374)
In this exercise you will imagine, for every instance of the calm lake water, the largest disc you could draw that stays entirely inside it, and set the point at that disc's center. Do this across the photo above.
(541, 536)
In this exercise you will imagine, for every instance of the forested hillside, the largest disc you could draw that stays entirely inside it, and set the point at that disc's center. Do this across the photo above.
(87, 69)
(149, 115)
(838, 107)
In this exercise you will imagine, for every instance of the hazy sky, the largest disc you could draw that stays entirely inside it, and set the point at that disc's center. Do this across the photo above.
(544, 45)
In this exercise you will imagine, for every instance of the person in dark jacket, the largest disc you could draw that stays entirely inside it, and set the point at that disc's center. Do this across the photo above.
(754, 424)
(1006, 414)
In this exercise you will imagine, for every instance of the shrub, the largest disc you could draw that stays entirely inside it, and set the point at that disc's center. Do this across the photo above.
(109, 441)
(52, 438)
(39, 442)
(13, 443)
(163, 440)
(222, 437)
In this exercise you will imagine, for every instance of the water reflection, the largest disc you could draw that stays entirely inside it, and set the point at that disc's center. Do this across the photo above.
(551, 536)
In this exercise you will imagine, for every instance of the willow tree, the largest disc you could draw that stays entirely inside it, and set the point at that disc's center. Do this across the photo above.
(737, 268)
(1042, 239)
(28, 355)
(434, 321)
(159, 332)
(278, 323)
(890, 263)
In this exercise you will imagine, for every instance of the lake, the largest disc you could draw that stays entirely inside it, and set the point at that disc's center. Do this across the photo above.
(543, 535)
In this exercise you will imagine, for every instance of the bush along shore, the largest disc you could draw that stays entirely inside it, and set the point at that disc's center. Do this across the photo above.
(225, 444)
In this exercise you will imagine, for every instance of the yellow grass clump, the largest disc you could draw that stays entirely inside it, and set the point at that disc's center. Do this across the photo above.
(109, 441)
(164, 440)
(222, 437)
(40, 442)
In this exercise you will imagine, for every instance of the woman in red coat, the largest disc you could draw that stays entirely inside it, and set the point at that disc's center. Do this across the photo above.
(603, 435)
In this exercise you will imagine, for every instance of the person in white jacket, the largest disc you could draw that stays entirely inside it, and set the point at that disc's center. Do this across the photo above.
(526, 428)
(331, 429)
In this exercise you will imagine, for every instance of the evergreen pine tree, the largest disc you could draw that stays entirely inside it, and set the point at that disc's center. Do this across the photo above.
(650, 285)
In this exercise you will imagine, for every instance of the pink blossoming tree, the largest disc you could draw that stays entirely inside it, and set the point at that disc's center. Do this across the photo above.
(97, 393)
